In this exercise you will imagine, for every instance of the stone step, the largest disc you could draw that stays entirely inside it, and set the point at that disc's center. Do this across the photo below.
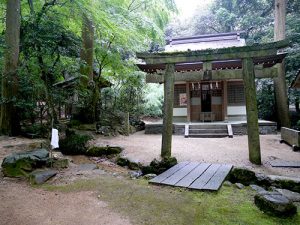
(208, 135)
(208, 126)
(203, 131)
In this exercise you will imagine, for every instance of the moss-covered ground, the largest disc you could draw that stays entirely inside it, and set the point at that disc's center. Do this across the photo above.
(148, 204)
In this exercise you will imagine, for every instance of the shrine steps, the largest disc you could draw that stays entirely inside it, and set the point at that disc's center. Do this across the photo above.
(208, 131)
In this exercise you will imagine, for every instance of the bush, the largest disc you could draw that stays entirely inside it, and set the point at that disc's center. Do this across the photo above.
(74, 144)
(74, 123)
(35, 131)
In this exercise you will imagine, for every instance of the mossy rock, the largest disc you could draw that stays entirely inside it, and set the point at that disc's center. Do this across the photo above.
(122, 161)
(22, 163)
(242, 175)
(158, 167)
(275, 204)
(134, 165)
(103, 151)
(58, 163)
(290, 183)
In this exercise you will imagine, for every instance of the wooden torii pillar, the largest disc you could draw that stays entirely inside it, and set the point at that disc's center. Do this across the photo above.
(166, 146)
(252, 113)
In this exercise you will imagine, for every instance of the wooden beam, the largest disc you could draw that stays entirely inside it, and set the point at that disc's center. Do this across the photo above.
(166, 146)
(258, 50)
(215, 75)
(252, 114)
(188, 96)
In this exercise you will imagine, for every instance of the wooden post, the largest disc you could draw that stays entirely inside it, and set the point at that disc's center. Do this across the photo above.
(252, 115)
(225, 100)
(188, 98)
(168, 111)
(279, 82)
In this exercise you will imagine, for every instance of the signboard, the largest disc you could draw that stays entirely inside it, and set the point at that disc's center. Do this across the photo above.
(182, 99)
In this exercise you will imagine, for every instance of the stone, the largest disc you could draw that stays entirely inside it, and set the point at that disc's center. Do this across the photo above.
(293, 196)
(256, 188)
(86, 167)
(22, 163)
(262, 179)
(242, 175)
(275, 204)
(227, 183)
(40, 177)
(58, 163)
(149, 176)
(283, 182)
(135, 174)
(239, 185)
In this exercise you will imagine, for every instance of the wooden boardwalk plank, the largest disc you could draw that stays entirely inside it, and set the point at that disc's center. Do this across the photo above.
(216, 181)
(193, 175)
(168, 173)
(201, 181)
(282, 163)
(177, 176)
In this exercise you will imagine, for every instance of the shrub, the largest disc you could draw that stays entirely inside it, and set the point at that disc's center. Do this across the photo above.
(74, 144)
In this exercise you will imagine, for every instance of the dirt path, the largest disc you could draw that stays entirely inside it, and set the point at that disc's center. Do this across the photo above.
(21, 204)
(119, 199)
(144, 148)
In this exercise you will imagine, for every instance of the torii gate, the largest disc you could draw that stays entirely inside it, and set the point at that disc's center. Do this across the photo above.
(257, 61)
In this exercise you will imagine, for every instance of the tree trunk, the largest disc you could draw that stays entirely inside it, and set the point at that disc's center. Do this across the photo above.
(87, 50)
(279, 82)
(87, 80)
(9, 120)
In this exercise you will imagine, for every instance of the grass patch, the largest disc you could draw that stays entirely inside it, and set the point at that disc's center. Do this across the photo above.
(148, 204)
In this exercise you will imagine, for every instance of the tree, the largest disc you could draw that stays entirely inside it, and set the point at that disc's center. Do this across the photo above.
(9, 121)
(280, 81)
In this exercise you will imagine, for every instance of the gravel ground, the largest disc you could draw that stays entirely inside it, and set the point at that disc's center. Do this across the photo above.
(144, 148)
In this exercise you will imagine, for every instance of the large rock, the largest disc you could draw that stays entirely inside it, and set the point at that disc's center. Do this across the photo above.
(293, 196)
(283, 182)
(257, 188)
(275, 204)
(22, 163)
(40, 177)
(242, 175)
(158, 167)
(103, 151)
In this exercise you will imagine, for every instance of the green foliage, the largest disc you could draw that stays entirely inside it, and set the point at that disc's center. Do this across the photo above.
(51, 43)
(74, 144)
(154, 100)
(265, 99)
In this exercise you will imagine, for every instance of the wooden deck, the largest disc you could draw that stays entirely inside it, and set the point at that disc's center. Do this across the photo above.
(193, 175)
